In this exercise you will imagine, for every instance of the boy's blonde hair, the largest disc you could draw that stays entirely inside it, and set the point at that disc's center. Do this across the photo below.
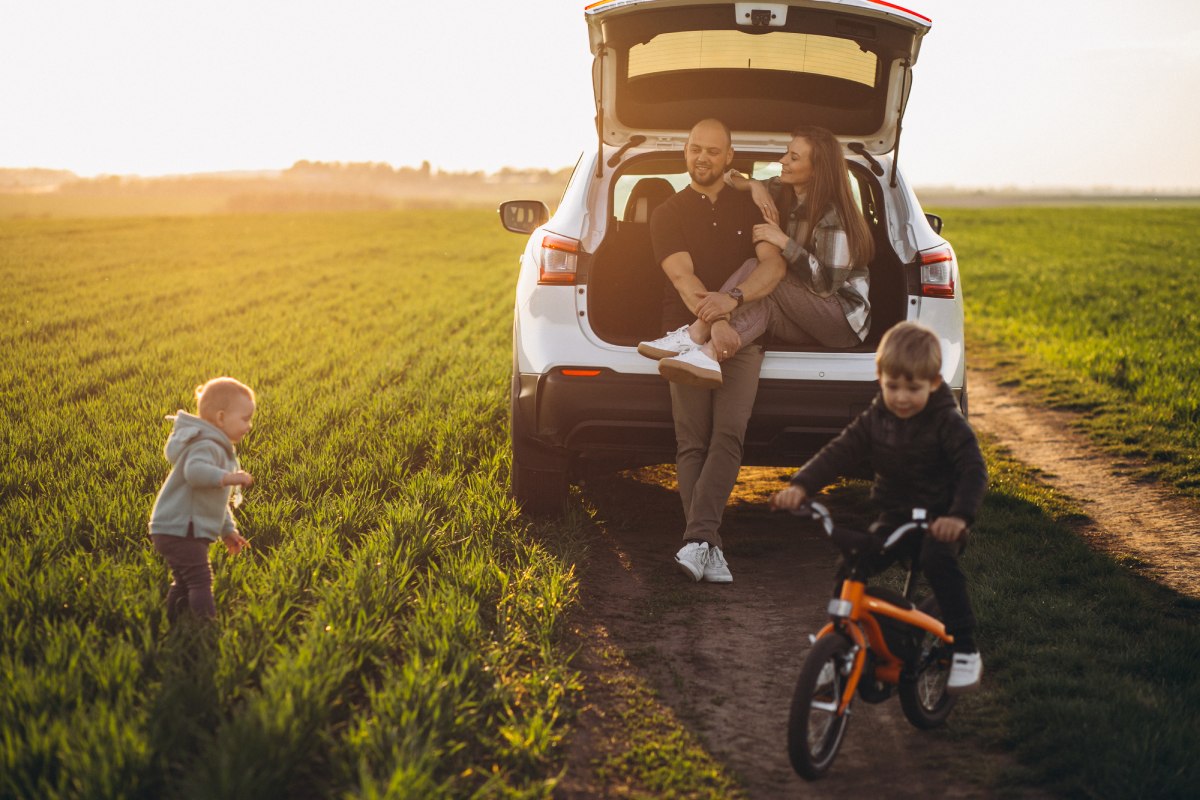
(216, 395)
(909, 350)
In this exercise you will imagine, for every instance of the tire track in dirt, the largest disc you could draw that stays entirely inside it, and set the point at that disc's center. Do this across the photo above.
(1146, 525)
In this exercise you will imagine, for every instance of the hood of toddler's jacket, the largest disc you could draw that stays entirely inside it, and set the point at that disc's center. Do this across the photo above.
(190, 429)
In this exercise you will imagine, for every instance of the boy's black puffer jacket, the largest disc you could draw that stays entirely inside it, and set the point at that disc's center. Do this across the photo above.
(930, 460)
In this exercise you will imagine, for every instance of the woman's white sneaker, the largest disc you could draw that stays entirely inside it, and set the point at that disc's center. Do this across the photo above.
(676, 342)
(692, 368)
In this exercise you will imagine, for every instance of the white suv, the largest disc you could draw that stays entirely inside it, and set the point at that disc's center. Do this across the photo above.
(590, 289)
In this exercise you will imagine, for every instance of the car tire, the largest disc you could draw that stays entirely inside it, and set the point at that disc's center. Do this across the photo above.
(540, 479)
(540, 492)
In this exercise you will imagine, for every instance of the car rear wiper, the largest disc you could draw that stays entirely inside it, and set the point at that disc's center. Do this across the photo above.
(634, 141)
(861, 149)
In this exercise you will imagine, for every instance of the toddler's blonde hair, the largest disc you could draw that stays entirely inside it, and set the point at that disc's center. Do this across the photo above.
(909, 350)
(216, 395)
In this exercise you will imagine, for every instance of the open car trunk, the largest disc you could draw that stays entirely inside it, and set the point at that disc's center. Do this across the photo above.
(626, 284)
(762, 68)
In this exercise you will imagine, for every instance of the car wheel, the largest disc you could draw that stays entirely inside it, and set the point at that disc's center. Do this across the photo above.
(540, 479)
(542, 492)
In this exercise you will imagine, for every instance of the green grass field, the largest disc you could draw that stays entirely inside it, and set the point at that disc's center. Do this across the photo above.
(391, 632)
(1098, 309)
(397, 629)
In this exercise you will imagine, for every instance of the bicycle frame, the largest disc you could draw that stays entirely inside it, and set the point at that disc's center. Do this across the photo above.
(854, 613)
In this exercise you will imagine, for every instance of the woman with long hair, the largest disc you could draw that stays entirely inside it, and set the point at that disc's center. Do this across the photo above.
(821, 301)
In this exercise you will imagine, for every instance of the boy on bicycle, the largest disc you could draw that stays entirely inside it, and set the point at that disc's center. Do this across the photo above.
(924, 455)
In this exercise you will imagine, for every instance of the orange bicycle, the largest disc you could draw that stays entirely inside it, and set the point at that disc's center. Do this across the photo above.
(876, 641)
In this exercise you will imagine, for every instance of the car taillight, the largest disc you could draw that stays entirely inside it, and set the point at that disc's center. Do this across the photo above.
(937, 272)
(558, 259)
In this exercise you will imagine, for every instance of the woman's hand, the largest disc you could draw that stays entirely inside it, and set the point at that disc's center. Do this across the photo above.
(771, 233)
(762, 199)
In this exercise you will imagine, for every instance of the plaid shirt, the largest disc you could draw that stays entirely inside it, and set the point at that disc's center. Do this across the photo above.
(826, 271)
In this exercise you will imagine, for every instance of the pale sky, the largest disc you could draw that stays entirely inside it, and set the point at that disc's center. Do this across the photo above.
(1007, 93)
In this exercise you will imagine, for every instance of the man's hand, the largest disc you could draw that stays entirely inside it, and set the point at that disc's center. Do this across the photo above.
(788, 499)
(234, 543)
(725, 341)
(239, 478)
(948, 529)
(715, 306)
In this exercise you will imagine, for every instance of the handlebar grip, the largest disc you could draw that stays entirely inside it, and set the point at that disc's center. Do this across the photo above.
(814, 510)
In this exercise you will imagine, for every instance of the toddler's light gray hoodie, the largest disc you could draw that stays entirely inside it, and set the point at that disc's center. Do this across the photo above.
(200, 455)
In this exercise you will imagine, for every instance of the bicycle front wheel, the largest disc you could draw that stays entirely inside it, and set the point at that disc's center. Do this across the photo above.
(815, 728)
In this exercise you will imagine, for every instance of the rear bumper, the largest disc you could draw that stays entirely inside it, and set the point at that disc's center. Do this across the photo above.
(624, 418)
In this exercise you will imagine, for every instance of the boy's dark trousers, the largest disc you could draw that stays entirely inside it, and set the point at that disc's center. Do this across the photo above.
(187, 556)
(938, 562)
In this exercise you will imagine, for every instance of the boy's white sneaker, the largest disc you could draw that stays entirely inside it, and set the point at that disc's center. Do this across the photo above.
(716, 569)
(965, 671)
(691, 559)
(676, 342)
(692, 368)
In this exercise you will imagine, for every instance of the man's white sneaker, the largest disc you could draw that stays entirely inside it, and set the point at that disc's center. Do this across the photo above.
(965, 671)
(716, 569)
(676, 342)
(692, 368)
(691, 559)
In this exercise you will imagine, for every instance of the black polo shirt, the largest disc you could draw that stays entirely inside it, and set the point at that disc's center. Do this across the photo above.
(718, 236)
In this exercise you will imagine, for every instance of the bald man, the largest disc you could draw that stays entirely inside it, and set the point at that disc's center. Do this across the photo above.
(701, 237)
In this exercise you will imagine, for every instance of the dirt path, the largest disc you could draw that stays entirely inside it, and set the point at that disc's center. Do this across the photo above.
(723, 659)
(1148, 527)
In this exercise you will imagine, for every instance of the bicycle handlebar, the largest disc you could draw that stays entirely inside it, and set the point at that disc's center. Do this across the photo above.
(817, 511)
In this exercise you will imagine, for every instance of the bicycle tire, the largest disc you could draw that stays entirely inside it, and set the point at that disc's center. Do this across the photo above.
(815, 729)
(923, 695)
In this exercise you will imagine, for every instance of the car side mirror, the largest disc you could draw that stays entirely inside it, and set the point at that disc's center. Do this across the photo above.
(935, 222)
(523, 216)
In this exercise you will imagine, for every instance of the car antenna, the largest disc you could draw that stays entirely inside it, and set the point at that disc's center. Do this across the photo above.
(634, 141)
(861, 149)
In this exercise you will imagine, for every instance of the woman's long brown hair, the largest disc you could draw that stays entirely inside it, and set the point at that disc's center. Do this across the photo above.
(830, 185)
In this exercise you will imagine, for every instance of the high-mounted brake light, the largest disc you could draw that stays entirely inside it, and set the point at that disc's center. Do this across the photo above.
(937, 272)
(558, 259)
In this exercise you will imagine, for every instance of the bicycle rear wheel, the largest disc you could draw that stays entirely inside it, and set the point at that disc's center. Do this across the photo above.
(923, 695)
(815, 728)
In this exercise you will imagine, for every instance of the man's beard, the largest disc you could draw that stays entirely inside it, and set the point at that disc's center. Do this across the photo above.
(714, 178)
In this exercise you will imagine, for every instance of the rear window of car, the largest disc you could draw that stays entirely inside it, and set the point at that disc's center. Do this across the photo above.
(735, 50)
(760, 170)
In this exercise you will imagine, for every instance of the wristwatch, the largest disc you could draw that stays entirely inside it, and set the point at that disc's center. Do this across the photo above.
(736, 294)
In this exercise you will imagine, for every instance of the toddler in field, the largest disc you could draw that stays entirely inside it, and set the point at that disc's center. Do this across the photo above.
(192, 508)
